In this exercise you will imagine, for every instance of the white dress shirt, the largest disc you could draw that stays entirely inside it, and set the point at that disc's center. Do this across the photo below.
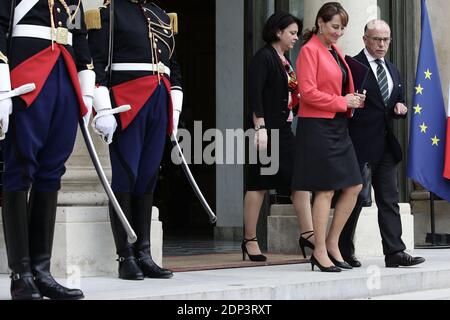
(374, 66)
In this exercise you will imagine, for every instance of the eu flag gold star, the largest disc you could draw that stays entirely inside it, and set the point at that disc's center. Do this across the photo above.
(423, 128)
(418, 109)
(428, 74)
(419, 90)
(435, 141)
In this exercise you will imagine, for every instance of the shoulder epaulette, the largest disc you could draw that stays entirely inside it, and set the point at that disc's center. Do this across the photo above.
(173, 22)
(93, 19)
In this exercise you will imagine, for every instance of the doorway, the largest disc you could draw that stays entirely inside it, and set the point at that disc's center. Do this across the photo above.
(186, 225)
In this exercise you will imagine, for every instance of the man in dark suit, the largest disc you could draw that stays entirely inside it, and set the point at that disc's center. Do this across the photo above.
(375, 145)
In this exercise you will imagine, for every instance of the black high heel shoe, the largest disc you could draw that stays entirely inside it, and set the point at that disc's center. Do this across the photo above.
(304, 242)
(340, 264)
(252, 257)
(314, 262)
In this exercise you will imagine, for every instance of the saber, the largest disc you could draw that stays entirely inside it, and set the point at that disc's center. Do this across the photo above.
(101, 174)
(187, 171)
(26, 88)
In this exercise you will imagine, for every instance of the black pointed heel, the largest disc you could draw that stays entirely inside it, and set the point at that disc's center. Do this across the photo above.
(252, 257)
(304, 242)
(340, 264)
(314, 262)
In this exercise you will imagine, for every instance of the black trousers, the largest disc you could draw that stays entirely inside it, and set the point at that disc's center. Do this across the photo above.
(384, 182)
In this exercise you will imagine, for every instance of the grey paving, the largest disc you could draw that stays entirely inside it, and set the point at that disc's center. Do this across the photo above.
(279, 282)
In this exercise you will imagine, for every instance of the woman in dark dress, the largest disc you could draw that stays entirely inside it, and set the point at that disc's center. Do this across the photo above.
(325, 158)
(273, 92)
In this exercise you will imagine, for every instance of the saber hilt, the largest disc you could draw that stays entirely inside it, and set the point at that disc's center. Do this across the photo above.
(26, 88)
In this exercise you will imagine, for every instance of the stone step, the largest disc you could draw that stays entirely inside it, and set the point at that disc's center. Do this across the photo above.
(83, 242)
(438, 294)
(275, 282)
(283, 231)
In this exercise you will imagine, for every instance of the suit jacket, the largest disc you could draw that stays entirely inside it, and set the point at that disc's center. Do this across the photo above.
(320, 81)
(268, 88)
(371, 127)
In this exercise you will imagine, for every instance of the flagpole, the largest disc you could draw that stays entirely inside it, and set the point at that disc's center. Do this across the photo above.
(433, 244)
(432, 219)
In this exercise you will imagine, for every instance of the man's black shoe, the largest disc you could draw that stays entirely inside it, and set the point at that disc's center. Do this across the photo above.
(352, 261)
(402, 259)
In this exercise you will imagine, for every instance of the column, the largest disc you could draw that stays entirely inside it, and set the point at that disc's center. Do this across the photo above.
(229, 112)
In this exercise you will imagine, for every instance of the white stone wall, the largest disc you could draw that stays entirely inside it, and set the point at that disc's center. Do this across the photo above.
(360, 12)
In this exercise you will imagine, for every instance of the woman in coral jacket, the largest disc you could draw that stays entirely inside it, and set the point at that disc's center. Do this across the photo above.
(325, 159)
(48, 47)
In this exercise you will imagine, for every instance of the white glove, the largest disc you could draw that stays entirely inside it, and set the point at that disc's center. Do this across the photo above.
(87, 84)
(104, 123)
(5, 110)
(6, 104)
(177, 103)
(175, 119)
(106, 126)
(88, 101)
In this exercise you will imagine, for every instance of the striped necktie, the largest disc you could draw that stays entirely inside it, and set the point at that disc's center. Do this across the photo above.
(382, 81)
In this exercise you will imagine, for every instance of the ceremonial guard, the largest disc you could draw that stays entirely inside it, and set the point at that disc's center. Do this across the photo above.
(48, 50)
(133, 47)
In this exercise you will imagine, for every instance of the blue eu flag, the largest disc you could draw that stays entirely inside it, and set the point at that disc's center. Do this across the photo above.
(428, 122)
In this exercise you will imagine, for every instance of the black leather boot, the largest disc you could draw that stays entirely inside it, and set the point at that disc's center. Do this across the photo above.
(142, 217)
(15, 227)
(128, 264)
(42, 226)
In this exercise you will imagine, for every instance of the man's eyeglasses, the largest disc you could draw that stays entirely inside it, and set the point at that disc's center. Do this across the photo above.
(379, 40)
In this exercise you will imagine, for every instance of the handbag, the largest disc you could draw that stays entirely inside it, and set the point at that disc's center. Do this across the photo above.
(365, 196)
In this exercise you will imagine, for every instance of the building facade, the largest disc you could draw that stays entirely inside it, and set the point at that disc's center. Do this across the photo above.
(216, 41)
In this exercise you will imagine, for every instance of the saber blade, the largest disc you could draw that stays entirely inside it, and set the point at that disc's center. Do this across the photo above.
(101, 174)
(187, 171)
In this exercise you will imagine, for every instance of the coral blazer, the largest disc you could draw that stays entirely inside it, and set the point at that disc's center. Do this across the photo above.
(320, 82)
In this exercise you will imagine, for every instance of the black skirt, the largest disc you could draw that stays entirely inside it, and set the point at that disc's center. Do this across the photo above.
(325, 159)
(282, 180)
